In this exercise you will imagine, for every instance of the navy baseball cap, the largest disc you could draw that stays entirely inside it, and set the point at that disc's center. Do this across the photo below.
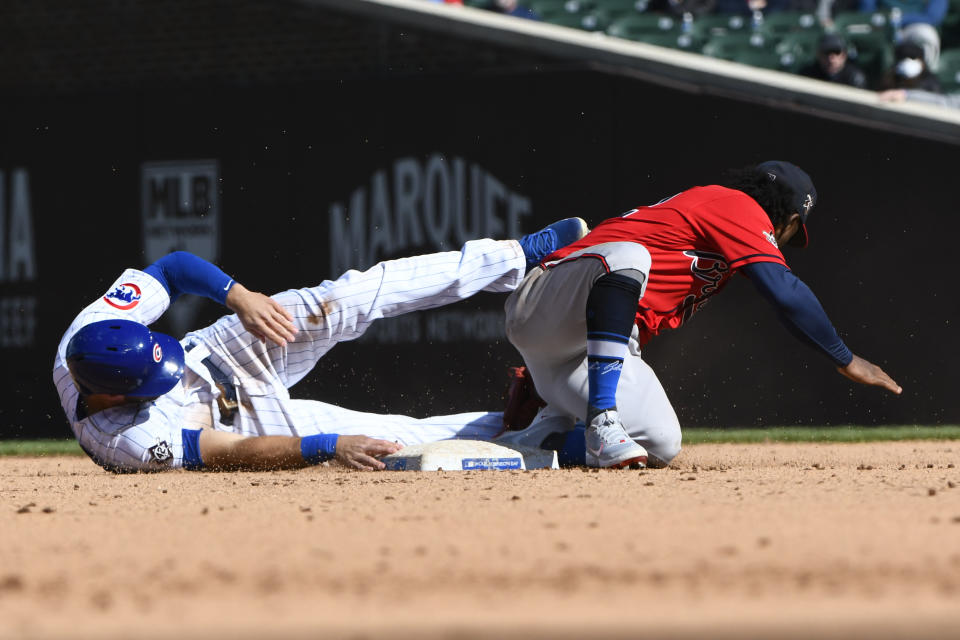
(804, 193)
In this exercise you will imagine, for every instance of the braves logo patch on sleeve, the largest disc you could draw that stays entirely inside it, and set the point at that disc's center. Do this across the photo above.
(124, 297)
(161, 451)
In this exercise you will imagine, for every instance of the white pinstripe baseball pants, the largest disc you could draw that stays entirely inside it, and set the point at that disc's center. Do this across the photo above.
(341, 310)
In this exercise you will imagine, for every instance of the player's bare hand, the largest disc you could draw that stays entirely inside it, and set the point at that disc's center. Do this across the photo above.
(361, 452)
(261, 315)
(865, 372)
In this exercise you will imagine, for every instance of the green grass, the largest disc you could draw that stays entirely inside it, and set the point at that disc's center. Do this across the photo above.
(821, 434)
(40, 448)
(690, 436)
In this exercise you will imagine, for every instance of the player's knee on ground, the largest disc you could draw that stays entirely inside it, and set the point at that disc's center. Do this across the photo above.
(661, 452)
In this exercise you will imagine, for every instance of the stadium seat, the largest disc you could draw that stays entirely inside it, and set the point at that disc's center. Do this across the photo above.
(948, 71)
(780, 23)
(636, 27)
(585, 21)
(614, 9)
(579, 6)
(798, 48)
(856, 22)
(736, 45)
(871, 51)
(764, 58)
(684, 41)
(950, 27)
(546, 8)
(711, 25)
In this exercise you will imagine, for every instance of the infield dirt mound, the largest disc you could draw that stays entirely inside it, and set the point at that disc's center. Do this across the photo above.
(734, 541)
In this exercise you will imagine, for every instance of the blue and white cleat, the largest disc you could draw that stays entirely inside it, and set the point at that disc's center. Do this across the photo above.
(537, 246)
(609, 445)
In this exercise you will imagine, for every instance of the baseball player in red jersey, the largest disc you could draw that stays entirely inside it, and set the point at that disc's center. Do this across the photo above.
(581, 319)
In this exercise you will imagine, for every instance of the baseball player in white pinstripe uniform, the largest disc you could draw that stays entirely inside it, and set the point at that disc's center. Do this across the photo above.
(139, 400)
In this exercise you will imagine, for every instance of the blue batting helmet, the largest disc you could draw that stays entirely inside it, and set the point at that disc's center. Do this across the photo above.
(121, 357)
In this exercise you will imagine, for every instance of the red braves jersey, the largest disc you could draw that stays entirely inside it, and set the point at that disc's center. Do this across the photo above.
(697, 239)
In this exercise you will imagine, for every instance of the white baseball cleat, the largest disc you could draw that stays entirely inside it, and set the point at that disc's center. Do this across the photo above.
(609, 445)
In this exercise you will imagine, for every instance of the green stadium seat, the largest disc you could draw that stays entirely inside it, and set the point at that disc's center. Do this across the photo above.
(614, 9)
(780, 23)
(546, 8)
(635, 27)
(579, 6)
(684, 41)
(584, 21)
(711, 25)
(858, 23)
(948, 70)
(763, 58)
(734, 45)
(798, 48)
(871, 51)
(950, 27)
(479, 4)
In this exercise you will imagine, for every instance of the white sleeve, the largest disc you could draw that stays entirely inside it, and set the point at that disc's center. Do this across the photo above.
(135, 296)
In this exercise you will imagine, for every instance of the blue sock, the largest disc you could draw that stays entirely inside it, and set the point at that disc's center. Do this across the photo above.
(574, 450)
(571, 446)
(611, 312)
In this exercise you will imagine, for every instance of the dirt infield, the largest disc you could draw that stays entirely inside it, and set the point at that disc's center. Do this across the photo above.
(735, 541)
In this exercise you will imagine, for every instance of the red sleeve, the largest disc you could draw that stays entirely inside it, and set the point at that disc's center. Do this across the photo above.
(739, 229)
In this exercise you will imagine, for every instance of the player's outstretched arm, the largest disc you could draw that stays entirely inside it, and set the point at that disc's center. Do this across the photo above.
(223, 451)
(261, 315)
(802, 314)
(865, 372)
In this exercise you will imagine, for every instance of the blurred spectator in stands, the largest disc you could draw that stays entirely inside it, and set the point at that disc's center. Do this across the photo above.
(909, 70)
(927, 37)
(832, 64)
(951, 100)
(447, 1)
(512, 8)
(915, 20)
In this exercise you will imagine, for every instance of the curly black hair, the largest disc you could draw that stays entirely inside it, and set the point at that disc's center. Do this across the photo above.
(775, 197)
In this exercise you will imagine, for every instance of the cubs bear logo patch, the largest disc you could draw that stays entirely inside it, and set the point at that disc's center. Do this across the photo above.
(161, 451)
(125, 297)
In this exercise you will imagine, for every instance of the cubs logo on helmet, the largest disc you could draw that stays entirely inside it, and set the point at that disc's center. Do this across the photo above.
(124, 297)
